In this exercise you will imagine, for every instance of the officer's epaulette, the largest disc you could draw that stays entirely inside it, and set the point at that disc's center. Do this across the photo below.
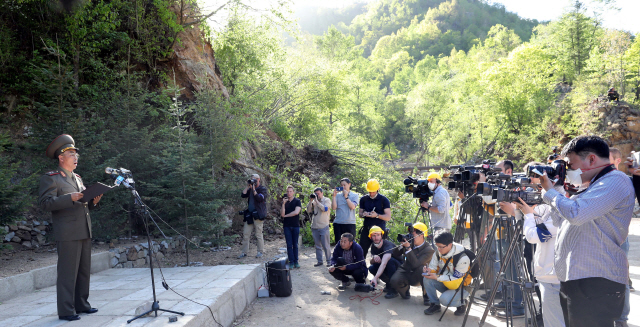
(53, 172)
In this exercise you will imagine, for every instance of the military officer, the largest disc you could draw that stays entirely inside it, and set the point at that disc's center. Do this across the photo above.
(60, 193)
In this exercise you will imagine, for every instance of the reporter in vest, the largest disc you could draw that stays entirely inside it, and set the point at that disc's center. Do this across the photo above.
(589, 260)
(60, 192)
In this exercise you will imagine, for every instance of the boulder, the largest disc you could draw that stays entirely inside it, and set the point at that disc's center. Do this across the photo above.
(114, 262)
(132, 255)
(25, 228)
(26, 244)
(140, 262)
(13, 228)
(41, 227)
(16, 239)
(41, 239)
(122, 258)
(24, 235)
(35, 223)
(159, 255)
(634, 126)
(8, 237)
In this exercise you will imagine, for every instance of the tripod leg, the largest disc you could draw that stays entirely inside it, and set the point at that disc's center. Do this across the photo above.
(176, 312)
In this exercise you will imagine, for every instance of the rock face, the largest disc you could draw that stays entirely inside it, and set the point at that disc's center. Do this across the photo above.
(621, 123)
(194, 62)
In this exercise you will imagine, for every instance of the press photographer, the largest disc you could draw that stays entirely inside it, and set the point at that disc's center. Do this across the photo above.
(318, 209)
(594, 223)
(255, 214)
(375, 208)
(439, 206)
(416, 253)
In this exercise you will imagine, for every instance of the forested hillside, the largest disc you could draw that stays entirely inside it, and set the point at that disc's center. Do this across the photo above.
(412, 82)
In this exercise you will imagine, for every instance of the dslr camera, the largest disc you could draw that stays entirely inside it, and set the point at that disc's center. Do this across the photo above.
(418, 187)
(557, 171)
(403, 237)
(312, 196)
(252, 181)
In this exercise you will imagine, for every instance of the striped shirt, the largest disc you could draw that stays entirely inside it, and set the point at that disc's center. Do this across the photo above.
(593, 226)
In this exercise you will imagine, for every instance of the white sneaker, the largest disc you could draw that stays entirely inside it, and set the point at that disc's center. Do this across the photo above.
(259, 255)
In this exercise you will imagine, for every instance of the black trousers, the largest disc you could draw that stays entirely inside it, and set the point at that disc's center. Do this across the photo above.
(365, 242)
(339, 229)
(591, 302)
(359, 275)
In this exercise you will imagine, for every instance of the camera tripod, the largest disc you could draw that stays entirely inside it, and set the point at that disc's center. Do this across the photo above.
(517, 276)
(470, 210)
(142, 208)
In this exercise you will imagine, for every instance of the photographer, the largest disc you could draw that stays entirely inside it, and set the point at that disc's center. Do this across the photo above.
(439, 207)
(416, 254)
(383, 264)
(344, 203)
(257, 210)
(318, 208)
(445, 273)
(347, 260)
(375, 208)
(594, 223)
(613, 95)
(538, 229)
(290, 212)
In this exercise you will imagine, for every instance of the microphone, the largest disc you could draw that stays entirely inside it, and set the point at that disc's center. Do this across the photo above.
(116, 171)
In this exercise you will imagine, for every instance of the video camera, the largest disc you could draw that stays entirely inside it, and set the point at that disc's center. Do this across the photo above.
(403, 237)
(419, 188)
(466, 176)
(530, 198)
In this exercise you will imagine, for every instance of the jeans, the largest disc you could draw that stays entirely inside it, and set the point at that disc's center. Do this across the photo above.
(291, 235)
(431, 286)
(321, 239)
(551, 309)
(389, 270)
(246, 231)
(627, 306)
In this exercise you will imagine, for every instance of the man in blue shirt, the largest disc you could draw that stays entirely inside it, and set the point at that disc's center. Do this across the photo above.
(344, 204)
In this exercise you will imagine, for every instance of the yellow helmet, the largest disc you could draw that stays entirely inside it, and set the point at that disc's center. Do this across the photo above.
(421, 227)
(375, 229)
(373, 185)
(453, 284)
(434, 175)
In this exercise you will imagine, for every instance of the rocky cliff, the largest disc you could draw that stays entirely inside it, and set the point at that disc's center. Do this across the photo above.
(620, 122)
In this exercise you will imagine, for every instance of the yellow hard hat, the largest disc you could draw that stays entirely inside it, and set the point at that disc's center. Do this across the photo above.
(434, 175)
(375, 229)
(453, 284)
(420, 226)
(373, 185)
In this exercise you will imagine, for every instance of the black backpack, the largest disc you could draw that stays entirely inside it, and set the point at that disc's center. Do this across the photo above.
(475, 268)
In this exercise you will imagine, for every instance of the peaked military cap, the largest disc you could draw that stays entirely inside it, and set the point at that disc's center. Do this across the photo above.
(61, 144)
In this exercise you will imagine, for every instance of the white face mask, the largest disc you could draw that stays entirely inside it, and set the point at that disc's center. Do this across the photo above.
(378, 245)
(432, 186)
(574, 176)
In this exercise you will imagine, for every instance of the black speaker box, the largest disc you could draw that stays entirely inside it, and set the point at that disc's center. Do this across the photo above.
(279, 278)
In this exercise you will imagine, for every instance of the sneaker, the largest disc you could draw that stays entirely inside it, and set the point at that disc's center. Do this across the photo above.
(631, 289)
(318, 264)
(328, 264)
(500, 305)
(406, 295)
(391, 294)
(434, 308)
(259, 255)
(461, 310)
(344, 286)
(242, 255)
(296, 265)
(517, 313)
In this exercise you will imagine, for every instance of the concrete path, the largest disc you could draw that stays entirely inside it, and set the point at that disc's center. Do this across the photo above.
(118, 292)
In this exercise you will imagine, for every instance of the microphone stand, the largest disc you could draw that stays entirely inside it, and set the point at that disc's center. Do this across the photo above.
(127, 181)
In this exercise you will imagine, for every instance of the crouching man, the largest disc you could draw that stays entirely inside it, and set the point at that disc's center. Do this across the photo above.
(383, 264)
(348, 259)
(445, 274)
(416, 253)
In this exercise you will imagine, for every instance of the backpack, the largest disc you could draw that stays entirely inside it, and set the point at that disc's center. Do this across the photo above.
(475, 268)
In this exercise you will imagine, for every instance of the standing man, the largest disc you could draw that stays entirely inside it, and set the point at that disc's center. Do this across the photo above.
(60, 192)
(318, 208)
(589, 261)
(375, 208)
(439, 207)
(416, 255)
(290, 213)
(256, 195)
(344, 203)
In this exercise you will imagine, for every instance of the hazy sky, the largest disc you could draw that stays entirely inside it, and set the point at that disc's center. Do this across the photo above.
(625, 19)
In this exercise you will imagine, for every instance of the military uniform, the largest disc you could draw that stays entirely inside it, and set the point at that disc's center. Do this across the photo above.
(72, 231)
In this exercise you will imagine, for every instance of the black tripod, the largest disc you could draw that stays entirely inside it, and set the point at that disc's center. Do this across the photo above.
(142, 209)
(514, 229)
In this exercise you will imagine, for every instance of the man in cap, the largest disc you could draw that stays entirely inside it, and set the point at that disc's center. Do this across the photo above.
(375, 208)
(60, 192)
(256, 195)
(383, 264)
(439, 206)
(416, 254)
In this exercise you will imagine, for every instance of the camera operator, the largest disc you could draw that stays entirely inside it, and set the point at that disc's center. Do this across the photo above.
(344, 204)
(383, 264)
(593, 225)
(290, 212)
(416, 254)
(439, 206)
(257, 196)
(538, 229)
(318, 207)
(375, 208)
(445, 274)
(347, 260)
